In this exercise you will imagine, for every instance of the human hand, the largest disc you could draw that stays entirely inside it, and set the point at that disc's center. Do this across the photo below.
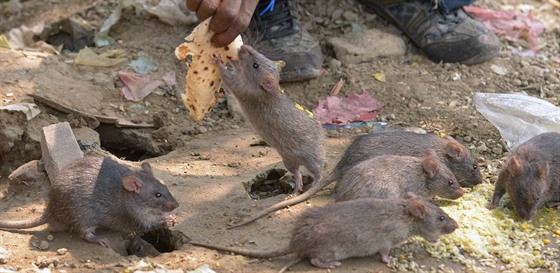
(229, 17)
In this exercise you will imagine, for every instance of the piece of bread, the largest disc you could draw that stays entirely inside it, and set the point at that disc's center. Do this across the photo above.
(203, 78)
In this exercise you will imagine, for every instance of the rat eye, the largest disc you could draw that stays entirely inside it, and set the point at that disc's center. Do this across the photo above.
(474, 166)
(442, 218)
(450, 182)
(158, 195)
(255, 65)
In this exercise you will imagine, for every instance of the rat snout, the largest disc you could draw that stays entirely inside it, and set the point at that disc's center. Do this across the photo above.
(458, 193)
(451, 226)
(525, 214)
(170, 205)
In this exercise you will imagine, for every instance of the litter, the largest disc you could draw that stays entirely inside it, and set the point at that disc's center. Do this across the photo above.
(202, 269)
(511, 24)
(518, 116)
(171, 12)
(86, 56)
(21, 38)
(352, 108)
(137, 86)
(143, 65)
(29, 109)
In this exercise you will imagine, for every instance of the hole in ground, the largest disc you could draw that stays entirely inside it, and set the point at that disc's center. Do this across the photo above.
(155, 242)
(274, 182)
(129, 144)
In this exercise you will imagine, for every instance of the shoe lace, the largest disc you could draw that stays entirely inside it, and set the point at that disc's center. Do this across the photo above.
(275, 19)
(450, 18)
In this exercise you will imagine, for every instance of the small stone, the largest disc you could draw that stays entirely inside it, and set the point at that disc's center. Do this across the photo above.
(357, 47)
(50, 237)
(482, 147)
(234, 127)
(334, 64)
(61, 251)
(350, 16)
(516, 82)
(497, 151)
(202, 130)
(4, 255)
(234, 165)
(44, 245)
(337, 14)
(467, 138)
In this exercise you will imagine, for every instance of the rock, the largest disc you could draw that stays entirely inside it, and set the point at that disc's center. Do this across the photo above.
(482, 147)
(50, 237)
(365, 46)
(335, 64)
(86, 134)
(202, 130)
(337, 14)
(350, 16)
(59, 148)
(28, 172)
(43, 245)
(61, 251)
(4, 255)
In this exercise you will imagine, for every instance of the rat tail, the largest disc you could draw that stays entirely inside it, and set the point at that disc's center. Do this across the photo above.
(251, 253)
(316, 187)
(290, 264)
(21, 224)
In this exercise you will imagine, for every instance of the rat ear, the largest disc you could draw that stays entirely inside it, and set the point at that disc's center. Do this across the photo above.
(132, 183)
(514, 167)
(147, 167)
(270, 84)
(448, 137)
(454, 151)
(542, 170)
(428, 153)
(417, 209)
(430, 166)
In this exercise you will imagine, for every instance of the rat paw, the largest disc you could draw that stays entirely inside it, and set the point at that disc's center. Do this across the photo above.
(92, 238)
(491, 206)
(170, 221)
(387, 258)
(322, 264)
(217, 58)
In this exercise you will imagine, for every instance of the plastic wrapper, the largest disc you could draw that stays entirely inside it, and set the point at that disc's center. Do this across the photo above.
(518, 116)
(86, 56)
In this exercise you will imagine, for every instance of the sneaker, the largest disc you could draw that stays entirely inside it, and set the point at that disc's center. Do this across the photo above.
(279, 36)
(455, 37)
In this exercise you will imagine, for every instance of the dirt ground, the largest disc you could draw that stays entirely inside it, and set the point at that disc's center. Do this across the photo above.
(206, 164)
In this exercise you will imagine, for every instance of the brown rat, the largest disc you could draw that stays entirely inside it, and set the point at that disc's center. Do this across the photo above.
(97, 192)
(358, 228)
(296, 135)
(391, 176)
(452, 153)
(531, 176)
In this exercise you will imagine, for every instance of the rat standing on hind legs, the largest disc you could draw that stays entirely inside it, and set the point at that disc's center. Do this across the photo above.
(97, 192)
(292, 131)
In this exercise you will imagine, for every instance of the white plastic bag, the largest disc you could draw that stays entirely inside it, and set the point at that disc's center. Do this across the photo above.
(518, 116)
